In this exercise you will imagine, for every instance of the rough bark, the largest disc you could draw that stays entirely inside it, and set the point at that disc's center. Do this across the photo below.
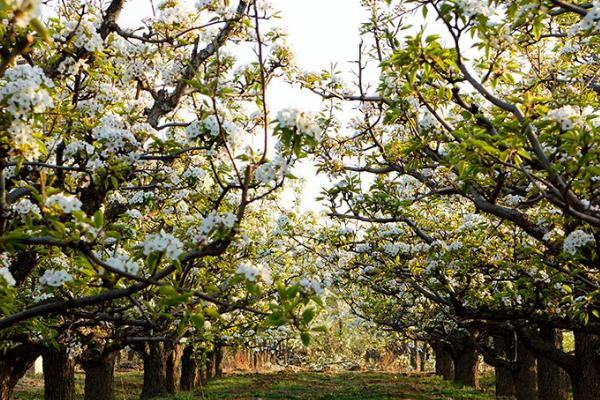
(155, 370)
(173, 368)
(423, 358)
(505, 385)
(525, 375)
(202, 369)
(466, 361)
(444, 365)
(189, 370)
(553, 382)
(218, 361)
(99, 368)
(14, 363)
(586, 378)
(414, 356)
(59, 374)
(210, 362)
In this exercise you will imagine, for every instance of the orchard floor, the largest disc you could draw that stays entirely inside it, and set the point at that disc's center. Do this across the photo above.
(293, 385)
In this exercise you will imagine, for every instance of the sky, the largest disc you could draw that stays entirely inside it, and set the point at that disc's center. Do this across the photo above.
(321, 32)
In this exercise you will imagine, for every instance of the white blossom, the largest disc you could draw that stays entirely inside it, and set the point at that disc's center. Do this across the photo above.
(565, 116)
(473, 8)
(163, 242)
(25, 207)
(254, 272)
(575, 240)
(55, 278)
(312, 284)
(123, 262)
(66, 203)
(304, 122)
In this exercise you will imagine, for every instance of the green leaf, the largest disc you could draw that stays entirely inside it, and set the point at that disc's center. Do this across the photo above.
(98, 219)
(305, 337)
(308, 315)
(211, 312)
(198, 321)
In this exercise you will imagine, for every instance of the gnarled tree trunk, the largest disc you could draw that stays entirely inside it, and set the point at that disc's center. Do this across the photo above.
(218, 361)
(466, 362)
(59, 374)
(525, 375)
(210, 365)
(14, 363)
(505, 385)
(414, 356)
(173, 368)
(423, 358)
(99, 370)
(444, 366)
(586, 379)
(553, 381)
(155, 370)
(189, 369)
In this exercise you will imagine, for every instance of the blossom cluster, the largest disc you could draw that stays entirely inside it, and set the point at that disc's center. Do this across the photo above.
(575, 240)
(115, 136)
(84, 34)
(26, 207)
(123, 262)
(78, 147)
(213, 220)
(565, 116)
(55, 278)
(200, 233)
(393, 249)
(23, 94)
(273, 170)
(163, 242)
(213, 126)
(7, 276)
(472, 8)
(590, 21)
(5, 272)
(305, 123)
(66, 203)
(24, 91)
(428, 121)
(312, 284)
(254, 272)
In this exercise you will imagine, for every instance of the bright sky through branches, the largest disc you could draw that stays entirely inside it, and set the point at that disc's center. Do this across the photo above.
(321, 32)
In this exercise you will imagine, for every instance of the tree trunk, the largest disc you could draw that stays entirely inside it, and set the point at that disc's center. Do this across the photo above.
(155, 370)
(189, 369)
(423, 358)
(414, 361)
(14, 363)
(525, 375)
(466, 361)
(59, 374)
(218, 361)
(99, 376)
(202, 369)
(444, 366)
(174, 369)
(210, 365)
(552, 379)
(586, 379)
(505, 385)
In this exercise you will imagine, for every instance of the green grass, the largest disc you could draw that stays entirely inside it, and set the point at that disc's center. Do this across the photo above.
(294, 386)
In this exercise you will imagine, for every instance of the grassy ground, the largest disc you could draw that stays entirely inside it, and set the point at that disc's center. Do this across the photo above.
(294, 386)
